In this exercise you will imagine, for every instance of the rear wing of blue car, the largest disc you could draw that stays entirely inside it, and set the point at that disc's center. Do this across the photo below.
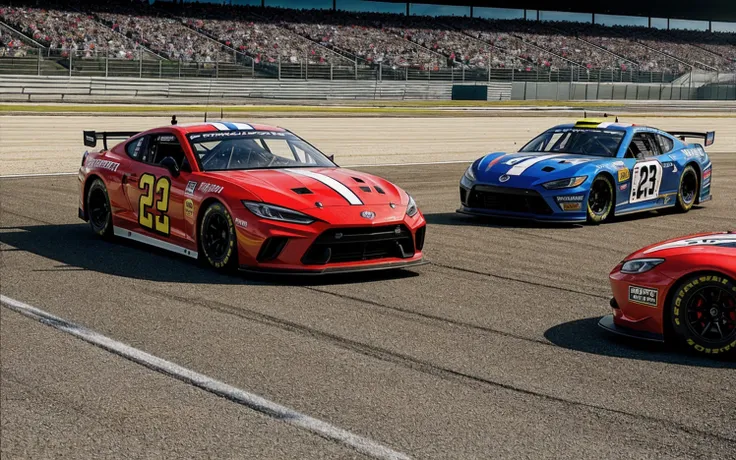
(708, 136)
(91, 137)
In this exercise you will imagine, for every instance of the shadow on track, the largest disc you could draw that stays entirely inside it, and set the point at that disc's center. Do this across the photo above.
(74, 246)
(585, 335)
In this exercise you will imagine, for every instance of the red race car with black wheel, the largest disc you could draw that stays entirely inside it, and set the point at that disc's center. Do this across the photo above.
(246, 196)
(684, 289)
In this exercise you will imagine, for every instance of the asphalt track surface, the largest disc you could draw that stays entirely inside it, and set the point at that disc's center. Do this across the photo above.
(492, 351)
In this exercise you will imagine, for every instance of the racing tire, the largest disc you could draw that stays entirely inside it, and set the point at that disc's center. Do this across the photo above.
(98, 209)
(688, 190)
(600, 200)
(703, 314)
(217, 238)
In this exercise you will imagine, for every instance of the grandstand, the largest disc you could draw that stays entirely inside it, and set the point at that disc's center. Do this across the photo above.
(195, 39)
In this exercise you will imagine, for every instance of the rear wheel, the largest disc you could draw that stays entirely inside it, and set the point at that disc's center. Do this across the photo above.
(688, 189)
(98, 209)
(704, 314)
(217, 238)
(600, 200)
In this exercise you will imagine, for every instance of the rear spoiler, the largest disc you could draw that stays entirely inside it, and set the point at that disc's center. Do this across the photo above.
(709, 136)
(91, 137)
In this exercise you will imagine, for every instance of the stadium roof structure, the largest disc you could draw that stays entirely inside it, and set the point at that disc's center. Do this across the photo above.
(705, 10)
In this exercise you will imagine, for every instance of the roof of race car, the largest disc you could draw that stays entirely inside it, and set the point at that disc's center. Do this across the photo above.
(592, 123)
(225, 126)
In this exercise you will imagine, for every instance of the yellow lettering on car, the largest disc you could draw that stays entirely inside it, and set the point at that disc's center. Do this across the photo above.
(158, 191)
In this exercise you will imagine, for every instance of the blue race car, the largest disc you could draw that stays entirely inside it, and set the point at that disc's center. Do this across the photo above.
(589, 171)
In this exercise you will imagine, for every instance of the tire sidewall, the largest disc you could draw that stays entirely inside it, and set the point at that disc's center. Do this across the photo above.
(680, 298)
(229, 261)
(592, 217)
(681, 205)
(106, 230)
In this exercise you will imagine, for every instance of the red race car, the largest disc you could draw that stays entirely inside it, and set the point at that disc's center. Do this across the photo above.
(683, 288)
(249, 196)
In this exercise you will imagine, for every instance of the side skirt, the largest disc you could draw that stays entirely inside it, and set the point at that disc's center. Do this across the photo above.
(124, 233)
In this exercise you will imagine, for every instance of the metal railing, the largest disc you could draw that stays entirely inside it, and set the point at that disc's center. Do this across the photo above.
(145, 65)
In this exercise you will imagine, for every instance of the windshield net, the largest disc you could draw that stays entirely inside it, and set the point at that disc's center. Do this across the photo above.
(593, 142)
(230, 150)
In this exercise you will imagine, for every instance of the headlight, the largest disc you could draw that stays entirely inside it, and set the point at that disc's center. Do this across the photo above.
(470, 174)
(636, 266)
(565, 183)
(411, 208)
(273, 212)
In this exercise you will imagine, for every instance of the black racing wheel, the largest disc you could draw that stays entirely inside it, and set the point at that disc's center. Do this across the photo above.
(217, 238)
(688, 189)
(98, 209)
(600, 200)
(704, 314)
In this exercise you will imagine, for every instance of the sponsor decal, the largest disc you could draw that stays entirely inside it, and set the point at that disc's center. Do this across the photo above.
(191, 187)
(206, 187)
(693, 153)
(568, 198)
(90, 139)
(643, 295)
(238, 133)
(504, 178)
(188, 208)
(646, 180)
(104, 164)
(241, 223)
(624, 175)
(623, 187)
(571, 206)
(707, 173)
(166, 138)
(668, 164)
(370, 215)
(619, 164)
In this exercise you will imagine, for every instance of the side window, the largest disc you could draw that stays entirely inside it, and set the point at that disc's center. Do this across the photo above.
(642, 146)
(137, 148)
(665, 143)
(166, 145)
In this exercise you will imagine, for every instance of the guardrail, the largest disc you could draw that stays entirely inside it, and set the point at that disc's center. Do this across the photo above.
(101, 89)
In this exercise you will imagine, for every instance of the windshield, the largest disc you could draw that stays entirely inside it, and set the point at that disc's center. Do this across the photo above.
(230, 150)
(593, 142)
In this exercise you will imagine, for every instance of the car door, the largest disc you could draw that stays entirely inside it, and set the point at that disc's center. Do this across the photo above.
(156, 195)
(646, 174)
(670, 171)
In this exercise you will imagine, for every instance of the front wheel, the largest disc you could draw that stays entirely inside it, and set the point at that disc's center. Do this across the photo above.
(98, 209)
(688, 189)
(704, 314)
(600, 200)
(217, 238)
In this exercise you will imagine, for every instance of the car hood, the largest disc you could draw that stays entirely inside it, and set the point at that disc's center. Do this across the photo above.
(723, 243)
(527, 168)
(303, 188)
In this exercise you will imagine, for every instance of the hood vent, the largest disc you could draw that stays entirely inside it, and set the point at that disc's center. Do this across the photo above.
(548, 168)
(302, 191)
(380, 190)
(366, 189)
(359, 180)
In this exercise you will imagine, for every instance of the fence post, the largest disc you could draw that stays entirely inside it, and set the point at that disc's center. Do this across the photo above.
(356, 69)
(452, 74)
(332, 70)
(217, 69)
(279, 74)
(70, 63)
(38, 63)
(160, 68)
(463, 73)
(107, 66)
(489, 69)
(253, 67)
(306, 68)
(140, 65)
(380, 71)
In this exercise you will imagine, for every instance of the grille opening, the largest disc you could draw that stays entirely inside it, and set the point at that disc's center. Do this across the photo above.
(302, 191)
(420, 237)
(508, 199)
(548, 169)
(380, 190)
(365, 189)
(359, 180)
(463, 196)
(271, 248)
(360, 243)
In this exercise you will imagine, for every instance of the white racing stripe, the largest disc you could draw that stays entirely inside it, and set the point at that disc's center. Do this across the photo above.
(220, 126)
(339, 187)
(713, 240)
(243, 126)
(264, 406)
(522, 166)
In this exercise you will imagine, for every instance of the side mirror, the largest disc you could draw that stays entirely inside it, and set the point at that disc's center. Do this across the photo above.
(331, 158)
(170, 164)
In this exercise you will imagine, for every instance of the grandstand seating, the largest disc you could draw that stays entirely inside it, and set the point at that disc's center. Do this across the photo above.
(243, 36)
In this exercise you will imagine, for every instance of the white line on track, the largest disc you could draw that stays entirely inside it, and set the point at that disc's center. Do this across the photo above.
(253, 401)
(10, 176)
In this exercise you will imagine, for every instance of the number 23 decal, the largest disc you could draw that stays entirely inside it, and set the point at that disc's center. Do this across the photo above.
(155, 191)
(646, 180)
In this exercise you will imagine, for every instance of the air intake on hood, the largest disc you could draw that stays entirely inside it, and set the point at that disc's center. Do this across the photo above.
(359, 180)
(548, 168)
(302, 191)
(365, 189)
(380, 190)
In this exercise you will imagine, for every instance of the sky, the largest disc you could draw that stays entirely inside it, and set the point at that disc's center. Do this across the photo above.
(489, 13)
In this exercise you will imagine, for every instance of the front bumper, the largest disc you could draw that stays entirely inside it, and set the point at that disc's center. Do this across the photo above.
(356, 268)
(608, 323)
(639, 300)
